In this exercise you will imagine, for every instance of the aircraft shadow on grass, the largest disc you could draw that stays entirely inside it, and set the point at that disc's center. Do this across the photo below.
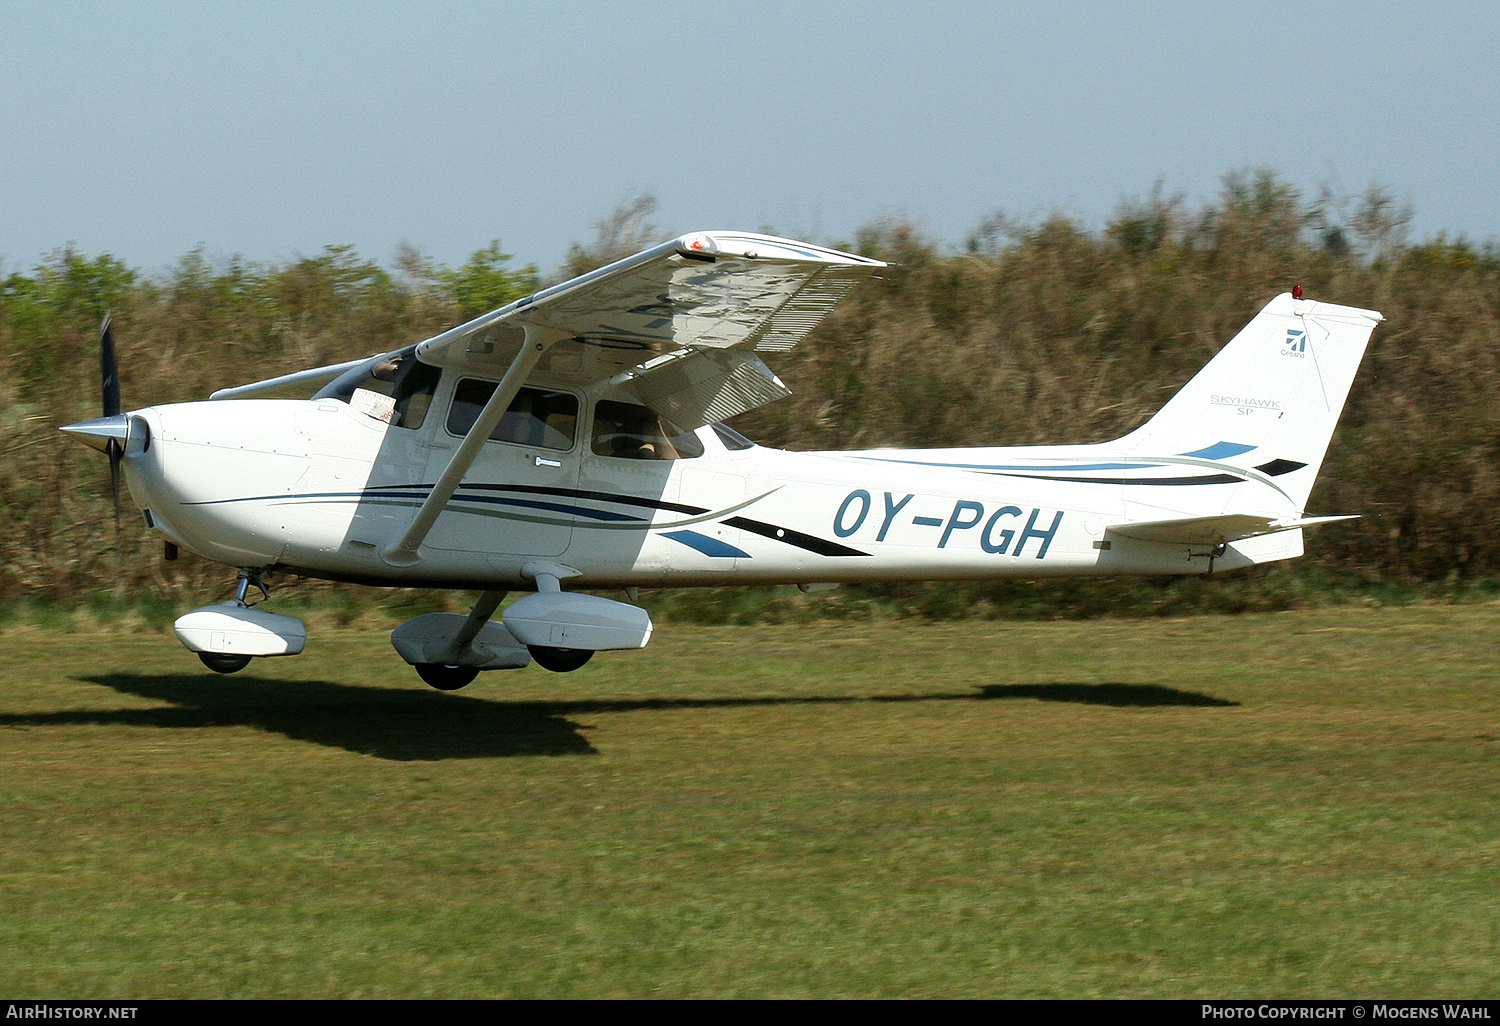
(1104, 694)
(414, 726)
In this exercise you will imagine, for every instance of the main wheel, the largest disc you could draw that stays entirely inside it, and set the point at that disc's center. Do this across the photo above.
(221, 663)
(560, 660)
(446, 678)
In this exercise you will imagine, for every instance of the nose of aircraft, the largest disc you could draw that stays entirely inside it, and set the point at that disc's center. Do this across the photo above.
(117, 435)
(100, 431)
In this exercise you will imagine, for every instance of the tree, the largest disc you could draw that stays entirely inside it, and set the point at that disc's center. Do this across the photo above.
(624, 232)
(486, 283)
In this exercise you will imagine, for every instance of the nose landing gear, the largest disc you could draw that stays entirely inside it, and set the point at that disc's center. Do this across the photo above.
(560, 660)
(227, 636)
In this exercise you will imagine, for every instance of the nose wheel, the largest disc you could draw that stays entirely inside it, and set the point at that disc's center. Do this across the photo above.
(221, 663)
(226, 636)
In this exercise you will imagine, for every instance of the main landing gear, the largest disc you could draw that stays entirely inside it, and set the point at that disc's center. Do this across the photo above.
(447, 678)
(448, 650)
(559, 660)
(451, 678)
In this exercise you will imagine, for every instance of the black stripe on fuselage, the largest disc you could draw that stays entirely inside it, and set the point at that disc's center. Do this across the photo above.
(808, 542)
(812, 543)
(1275, 468)
(580, 493)
(1278, 467)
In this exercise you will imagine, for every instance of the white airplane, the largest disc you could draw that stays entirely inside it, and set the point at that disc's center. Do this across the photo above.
(576, 436)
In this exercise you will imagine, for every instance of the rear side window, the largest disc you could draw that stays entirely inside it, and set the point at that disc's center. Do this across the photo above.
(631, 432)
(535, 417)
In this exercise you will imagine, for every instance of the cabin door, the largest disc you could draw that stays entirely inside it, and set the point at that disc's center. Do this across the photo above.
(518, 497)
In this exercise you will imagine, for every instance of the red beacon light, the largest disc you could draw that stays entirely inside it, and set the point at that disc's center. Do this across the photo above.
(699, 245)
(1296, 291)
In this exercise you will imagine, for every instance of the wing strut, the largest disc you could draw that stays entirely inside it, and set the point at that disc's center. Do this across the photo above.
(478, 617)
(404, 552)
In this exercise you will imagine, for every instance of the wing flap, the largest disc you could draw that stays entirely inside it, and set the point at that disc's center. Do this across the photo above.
(692, 387)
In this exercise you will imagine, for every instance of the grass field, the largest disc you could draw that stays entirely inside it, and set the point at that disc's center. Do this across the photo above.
(1278, 805)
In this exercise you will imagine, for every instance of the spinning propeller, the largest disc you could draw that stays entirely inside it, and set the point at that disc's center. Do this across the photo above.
(111, 432)
(109, 376)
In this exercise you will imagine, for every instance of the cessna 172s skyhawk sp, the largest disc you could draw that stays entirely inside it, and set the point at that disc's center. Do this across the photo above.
(576, 436)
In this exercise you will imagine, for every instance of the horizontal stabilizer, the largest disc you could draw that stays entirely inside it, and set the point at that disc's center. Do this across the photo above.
(1219, 530)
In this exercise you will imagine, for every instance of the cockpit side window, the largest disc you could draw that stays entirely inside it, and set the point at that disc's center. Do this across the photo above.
(536, 416)
(396, 388)
(632, 432)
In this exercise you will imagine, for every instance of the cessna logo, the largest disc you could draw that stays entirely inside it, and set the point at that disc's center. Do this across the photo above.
(1296, 342)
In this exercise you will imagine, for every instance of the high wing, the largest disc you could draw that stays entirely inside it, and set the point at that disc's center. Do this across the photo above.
(676, 327)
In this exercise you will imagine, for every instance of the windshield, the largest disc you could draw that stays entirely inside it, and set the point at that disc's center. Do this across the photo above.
(396, 388)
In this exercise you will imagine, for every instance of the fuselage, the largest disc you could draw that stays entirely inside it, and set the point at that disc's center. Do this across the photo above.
(323, 488)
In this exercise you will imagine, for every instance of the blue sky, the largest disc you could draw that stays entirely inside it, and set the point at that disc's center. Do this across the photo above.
(273, 129)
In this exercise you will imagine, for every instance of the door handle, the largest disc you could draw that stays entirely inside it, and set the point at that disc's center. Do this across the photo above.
(542, 461)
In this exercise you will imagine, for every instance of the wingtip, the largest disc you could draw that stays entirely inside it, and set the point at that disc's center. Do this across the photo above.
(754, 246)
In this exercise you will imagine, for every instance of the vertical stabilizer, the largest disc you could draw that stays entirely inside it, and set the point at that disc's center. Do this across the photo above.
(1269, 401)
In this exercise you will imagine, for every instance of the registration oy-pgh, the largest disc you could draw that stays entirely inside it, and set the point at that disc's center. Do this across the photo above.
(1001, 527)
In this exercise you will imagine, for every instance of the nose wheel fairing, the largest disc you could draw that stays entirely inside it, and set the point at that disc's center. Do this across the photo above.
(233, 629)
